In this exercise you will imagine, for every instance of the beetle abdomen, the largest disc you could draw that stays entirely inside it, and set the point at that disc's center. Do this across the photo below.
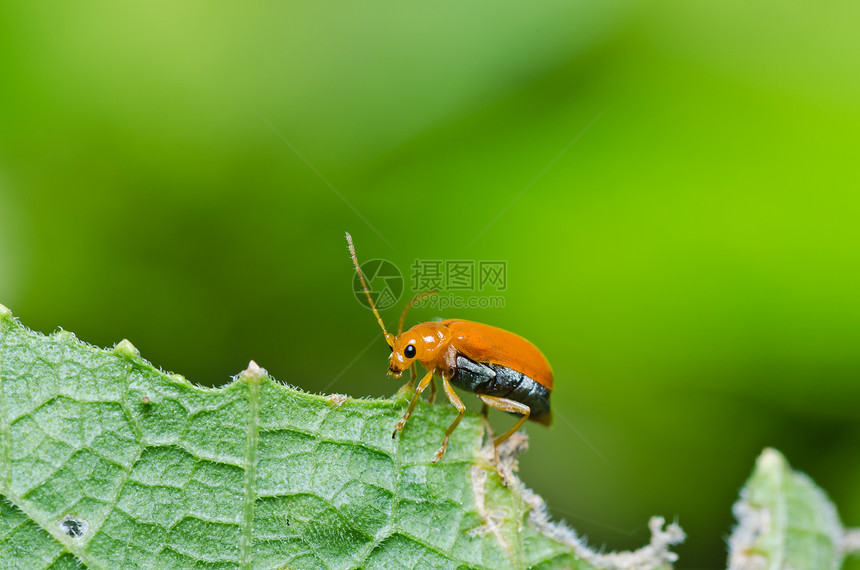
(503, 382)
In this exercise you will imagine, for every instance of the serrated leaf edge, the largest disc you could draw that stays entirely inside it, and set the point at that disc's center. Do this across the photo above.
(653, 556)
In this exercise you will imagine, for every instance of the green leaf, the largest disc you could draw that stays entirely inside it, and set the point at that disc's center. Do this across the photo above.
(784, 521)
(108, 462)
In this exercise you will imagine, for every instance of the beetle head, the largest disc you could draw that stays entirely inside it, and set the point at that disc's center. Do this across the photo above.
(423, 342)
(398, 362)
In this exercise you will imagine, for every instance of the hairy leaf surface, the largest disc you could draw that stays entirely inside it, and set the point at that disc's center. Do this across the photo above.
(106, 461)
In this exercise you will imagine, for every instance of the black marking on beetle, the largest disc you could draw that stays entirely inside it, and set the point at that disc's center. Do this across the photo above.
(502, 382)
(74, 526)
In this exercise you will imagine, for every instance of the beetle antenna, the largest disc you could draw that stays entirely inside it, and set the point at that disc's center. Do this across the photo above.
(389, 338)
(411, 304)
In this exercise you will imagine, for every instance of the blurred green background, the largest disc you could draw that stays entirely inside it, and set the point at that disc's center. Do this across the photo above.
(673, 185)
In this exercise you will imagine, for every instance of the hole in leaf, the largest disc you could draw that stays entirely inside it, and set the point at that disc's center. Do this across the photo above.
(74, 526)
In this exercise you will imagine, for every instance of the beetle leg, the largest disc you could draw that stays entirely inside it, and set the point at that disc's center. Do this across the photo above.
(421, 386)
(409, 386)
(506, 405)
(413, 373)
(485, 411)
(432, 397)
(458, 403)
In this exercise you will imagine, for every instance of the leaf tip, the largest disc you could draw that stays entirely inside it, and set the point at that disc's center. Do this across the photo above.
(771, 461)
(5, 312)
(125, 348)
(784, 520)
(336, 400)
(253, 372)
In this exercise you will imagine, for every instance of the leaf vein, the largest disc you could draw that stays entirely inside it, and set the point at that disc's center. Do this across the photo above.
(250, 467)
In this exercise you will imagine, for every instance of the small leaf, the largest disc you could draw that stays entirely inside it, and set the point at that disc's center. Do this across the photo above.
(110, 463)
(784, 521)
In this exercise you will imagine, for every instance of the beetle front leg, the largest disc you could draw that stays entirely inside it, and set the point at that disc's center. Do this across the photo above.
(409, 386)
(432, 397)
(413, 376)
(421, 386)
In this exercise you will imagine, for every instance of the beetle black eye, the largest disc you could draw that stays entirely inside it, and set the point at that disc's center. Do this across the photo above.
(409, 351)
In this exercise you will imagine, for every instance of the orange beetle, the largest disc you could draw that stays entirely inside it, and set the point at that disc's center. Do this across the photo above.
(503, 369)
